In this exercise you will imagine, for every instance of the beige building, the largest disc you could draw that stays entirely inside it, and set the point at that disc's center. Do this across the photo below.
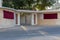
(10, 17)
(45, 17)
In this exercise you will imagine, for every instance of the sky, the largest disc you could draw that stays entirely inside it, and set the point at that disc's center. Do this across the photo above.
(59, 1)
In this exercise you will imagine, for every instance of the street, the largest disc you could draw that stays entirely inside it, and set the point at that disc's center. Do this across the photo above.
(30, 33)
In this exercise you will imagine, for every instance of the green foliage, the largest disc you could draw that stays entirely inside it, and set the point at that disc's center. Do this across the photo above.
(7, 3)
(42, 4)
(27, 4)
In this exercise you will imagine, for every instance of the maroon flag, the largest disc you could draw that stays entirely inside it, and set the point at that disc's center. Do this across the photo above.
(50, 16)
(8, 14)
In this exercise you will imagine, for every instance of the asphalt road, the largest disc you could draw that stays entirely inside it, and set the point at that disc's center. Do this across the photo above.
(30, 33)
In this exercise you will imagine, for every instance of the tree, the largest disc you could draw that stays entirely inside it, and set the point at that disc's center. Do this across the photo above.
(27, 4)
(20, 4)
(42, 4)
(7, 3)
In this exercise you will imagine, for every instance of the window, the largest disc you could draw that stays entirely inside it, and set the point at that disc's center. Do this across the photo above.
(50, 16)
(8, 14)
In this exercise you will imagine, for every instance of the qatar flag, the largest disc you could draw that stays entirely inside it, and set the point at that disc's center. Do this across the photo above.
(8, 14)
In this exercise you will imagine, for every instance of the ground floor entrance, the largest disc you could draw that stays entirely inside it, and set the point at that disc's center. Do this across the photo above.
(26, 19)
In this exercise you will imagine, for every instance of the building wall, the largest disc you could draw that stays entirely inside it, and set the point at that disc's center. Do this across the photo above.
(42, 21)
(5, 22)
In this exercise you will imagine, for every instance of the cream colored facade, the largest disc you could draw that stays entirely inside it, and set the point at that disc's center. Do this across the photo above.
(32, 18)
(42, 21)
(4, 23)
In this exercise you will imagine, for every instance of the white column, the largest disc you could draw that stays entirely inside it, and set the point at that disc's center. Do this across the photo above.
(36, 18)
(15, 18)
(1, 3)
(18, 18)
(32, 19)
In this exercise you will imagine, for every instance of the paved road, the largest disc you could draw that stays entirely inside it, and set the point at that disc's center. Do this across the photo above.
(30, 33)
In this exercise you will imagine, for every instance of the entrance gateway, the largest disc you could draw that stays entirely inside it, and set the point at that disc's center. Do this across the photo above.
(27, 19)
